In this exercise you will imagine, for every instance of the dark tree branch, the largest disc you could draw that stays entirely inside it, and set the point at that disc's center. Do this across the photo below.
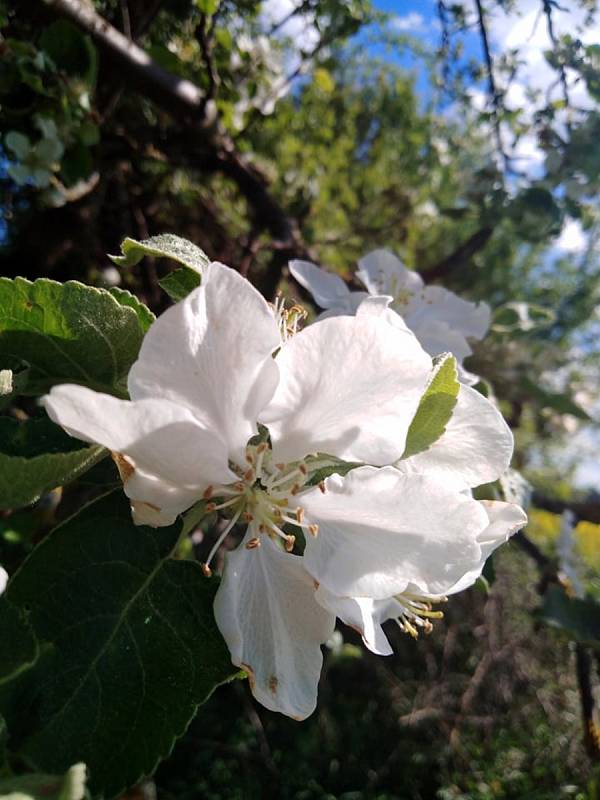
(547, 7)
(495, 95)
(461, 255)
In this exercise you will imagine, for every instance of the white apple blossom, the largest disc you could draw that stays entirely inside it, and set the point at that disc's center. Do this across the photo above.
(440, 319)
(215, 368)
(3, 579)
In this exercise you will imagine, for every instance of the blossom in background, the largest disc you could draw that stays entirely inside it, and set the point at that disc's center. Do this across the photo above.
(441, 320)
(3, 580)
(225, 410)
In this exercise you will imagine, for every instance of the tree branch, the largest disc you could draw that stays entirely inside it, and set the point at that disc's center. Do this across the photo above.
(176, 95)
(183, 100)
(461, 255)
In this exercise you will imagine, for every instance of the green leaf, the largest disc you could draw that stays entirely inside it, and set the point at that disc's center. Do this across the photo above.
(70, 786)
(166, 245)
(23, 650)
(180, 283)
(36, 456)
(125, 298)
(579, 618)
(71, 50)
(69, 333)
(435, 408)
(557, 401)
(133, 647)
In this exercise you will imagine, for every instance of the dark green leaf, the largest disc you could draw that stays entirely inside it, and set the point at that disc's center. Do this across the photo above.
(435, 408)
(16, 630)
(71, 50)
(579, 618)
(36, 456)
(180, 283)
(69, 333)
(133, 647)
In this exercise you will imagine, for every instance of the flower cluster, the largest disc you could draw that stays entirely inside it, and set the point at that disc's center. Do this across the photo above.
(299, 436)
(440, 319)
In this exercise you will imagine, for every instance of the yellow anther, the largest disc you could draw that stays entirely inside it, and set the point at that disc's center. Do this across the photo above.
(208, 493)
(299, 514)
(249, 475)
(206, 570)
(313, 530)
(322, 488)
(290, 541)
(247, 516)
(210, 507)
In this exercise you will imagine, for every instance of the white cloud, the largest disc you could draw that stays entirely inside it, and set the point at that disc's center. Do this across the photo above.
(573, 238)
(411, 23)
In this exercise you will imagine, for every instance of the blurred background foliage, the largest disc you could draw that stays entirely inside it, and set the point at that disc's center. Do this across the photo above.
(269, 130)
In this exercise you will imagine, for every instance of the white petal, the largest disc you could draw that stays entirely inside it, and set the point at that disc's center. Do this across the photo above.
(347, 307)
(349, 387)
(380, 531)
(505, 519)
(3, 579)
(379, 306)
(212, 353)
(475, 448)
(154, 501)
(438, 337)
(266, 610)
(383, 273)
(463, 316)
(361, 613)
(161, 438)
(327, 288)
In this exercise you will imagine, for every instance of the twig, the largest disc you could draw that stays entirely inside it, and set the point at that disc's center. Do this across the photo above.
(547, 7)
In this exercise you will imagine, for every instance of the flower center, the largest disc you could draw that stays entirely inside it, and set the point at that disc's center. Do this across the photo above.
(414, 613)
(264, 498)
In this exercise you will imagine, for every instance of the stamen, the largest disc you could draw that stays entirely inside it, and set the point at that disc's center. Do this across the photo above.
(220, 541)
(322, 488)
(252, 544)
(313, 530)
(207, 493)
(206, 570)
(289, 543)
(210, 507)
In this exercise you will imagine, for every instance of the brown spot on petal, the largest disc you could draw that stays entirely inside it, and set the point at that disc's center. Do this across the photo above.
(251, 677)
(273, 683)
(124, 465)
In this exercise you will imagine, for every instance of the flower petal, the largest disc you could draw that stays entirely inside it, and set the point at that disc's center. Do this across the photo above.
(3, 579)
(475, 448)
(213, 353)
(327, 288)
(349, 387)
(379, 306)
(361, 613)
(505, 519)
(161, 438)
(463, 316)
(266, 610)
(154, 501)
(383, 273)
(380, 531)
